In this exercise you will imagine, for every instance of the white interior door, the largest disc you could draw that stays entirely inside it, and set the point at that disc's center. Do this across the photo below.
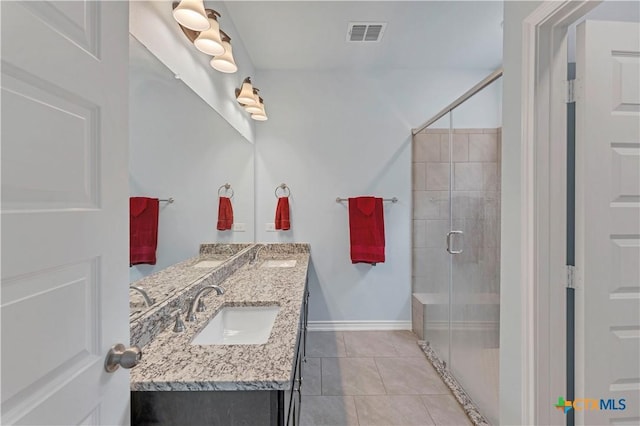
(608, 220)
(64, 211)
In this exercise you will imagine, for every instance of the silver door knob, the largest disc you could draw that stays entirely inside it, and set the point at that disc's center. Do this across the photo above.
(119, 356)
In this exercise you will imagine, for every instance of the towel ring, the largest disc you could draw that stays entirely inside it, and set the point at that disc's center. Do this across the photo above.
(284, 188)
(227, 188)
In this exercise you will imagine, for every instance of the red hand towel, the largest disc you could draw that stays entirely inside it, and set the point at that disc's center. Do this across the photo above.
(366, 230)
(225, 214)
(143, 230)
(282, 214)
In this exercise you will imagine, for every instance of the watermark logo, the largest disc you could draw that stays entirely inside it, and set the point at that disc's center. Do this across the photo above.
(563, 405)
(581, 404)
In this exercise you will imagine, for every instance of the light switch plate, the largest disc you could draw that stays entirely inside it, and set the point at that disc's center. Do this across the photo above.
(239, 227)
(270, 227)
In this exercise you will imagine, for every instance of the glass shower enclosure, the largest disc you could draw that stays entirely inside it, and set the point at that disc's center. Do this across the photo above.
(456, 239)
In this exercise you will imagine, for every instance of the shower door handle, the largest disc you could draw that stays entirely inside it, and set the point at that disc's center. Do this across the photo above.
(449, 235)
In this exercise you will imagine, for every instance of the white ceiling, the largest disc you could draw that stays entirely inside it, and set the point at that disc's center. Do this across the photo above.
(419, 34)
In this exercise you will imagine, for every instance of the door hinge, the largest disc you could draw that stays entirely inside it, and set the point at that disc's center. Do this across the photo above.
(571, 91)
(571, 276)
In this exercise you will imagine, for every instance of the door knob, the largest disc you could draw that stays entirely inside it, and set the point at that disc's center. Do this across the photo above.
(119, 356)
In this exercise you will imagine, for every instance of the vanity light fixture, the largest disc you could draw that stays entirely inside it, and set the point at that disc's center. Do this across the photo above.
(245, 95)
(254, 108)
(191, 14)
(209, 41)
(225, 62)
(262, 115)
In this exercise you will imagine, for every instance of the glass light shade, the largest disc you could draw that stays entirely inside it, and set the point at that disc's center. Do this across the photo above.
(253, 109)
(262, 115)
(191, 14)
(209, 41)
(246, 96)
(225, 63)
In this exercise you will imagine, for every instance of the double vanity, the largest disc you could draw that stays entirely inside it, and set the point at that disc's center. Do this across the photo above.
(239, 360)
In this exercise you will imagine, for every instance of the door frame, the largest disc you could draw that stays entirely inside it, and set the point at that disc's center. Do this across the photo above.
(543, 202)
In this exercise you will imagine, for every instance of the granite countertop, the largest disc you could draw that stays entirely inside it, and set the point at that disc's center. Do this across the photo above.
(170, 362)
(167, 282)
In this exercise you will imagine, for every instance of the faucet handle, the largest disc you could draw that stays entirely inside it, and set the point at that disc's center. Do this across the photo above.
(179, 325)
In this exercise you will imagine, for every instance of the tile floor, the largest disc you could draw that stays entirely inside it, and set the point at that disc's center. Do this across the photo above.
(376, 378)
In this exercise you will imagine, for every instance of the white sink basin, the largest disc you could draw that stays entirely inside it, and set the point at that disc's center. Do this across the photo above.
(278, 263)
(208, 263)
(239, 325)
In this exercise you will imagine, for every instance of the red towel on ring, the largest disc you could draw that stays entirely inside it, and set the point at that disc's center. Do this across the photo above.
(143, 230)
(225, 214)
(282, 214)
(366, 230)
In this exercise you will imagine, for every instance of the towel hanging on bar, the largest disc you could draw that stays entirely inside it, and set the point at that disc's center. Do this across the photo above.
(393, 200)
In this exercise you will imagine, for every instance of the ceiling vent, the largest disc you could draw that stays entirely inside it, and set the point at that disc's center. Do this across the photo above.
(365, 31)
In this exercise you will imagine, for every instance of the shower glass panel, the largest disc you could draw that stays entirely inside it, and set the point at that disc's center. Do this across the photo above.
(456, 243)
(474, 248)
(431, 263)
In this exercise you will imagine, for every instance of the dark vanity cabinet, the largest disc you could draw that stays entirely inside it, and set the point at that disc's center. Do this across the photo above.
(293, 397)
(227, 408)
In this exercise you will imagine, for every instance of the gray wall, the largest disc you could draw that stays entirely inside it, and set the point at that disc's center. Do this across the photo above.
(340, 134)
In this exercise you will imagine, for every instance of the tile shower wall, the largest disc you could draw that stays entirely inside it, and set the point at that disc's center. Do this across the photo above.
(476, 206)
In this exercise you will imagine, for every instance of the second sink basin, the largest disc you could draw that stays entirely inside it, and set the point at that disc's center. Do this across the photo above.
(208, 263)
(239, 325)
(289, 263)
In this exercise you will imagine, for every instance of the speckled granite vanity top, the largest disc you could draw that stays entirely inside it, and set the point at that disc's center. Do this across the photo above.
(171, 362)
(167, 282)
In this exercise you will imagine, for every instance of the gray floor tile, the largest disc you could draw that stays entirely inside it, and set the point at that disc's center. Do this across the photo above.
(328, 411)
(311, 375)
(351, 376)
(405, 343)
(445, 410)
(392, 410)
(368, 344)
(325, 344)
(410, 376)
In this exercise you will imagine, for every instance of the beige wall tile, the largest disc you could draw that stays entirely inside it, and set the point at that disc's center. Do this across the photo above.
(483, 147)
(419, 176)
(460, 151)
(490, 176)
(425, 205)
(436, 233)
(437, 176)
(419, 233)
(426, 147)
(467, 176)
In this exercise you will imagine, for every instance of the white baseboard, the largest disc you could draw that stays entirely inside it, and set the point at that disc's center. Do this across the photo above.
(358, 325)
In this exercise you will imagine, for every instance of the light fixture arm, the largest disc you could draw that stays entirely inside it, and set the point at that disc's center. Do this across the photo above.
(225, 36)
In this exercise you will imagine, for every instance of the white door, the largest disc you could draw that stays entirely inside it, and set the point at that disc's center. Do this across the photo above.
(64, 211)
(608, 220)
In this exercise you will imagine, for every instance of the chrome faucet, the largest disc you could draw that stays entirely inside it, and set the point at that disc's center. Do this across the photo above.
(147, 300)
(191, 314)
(255, 255)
